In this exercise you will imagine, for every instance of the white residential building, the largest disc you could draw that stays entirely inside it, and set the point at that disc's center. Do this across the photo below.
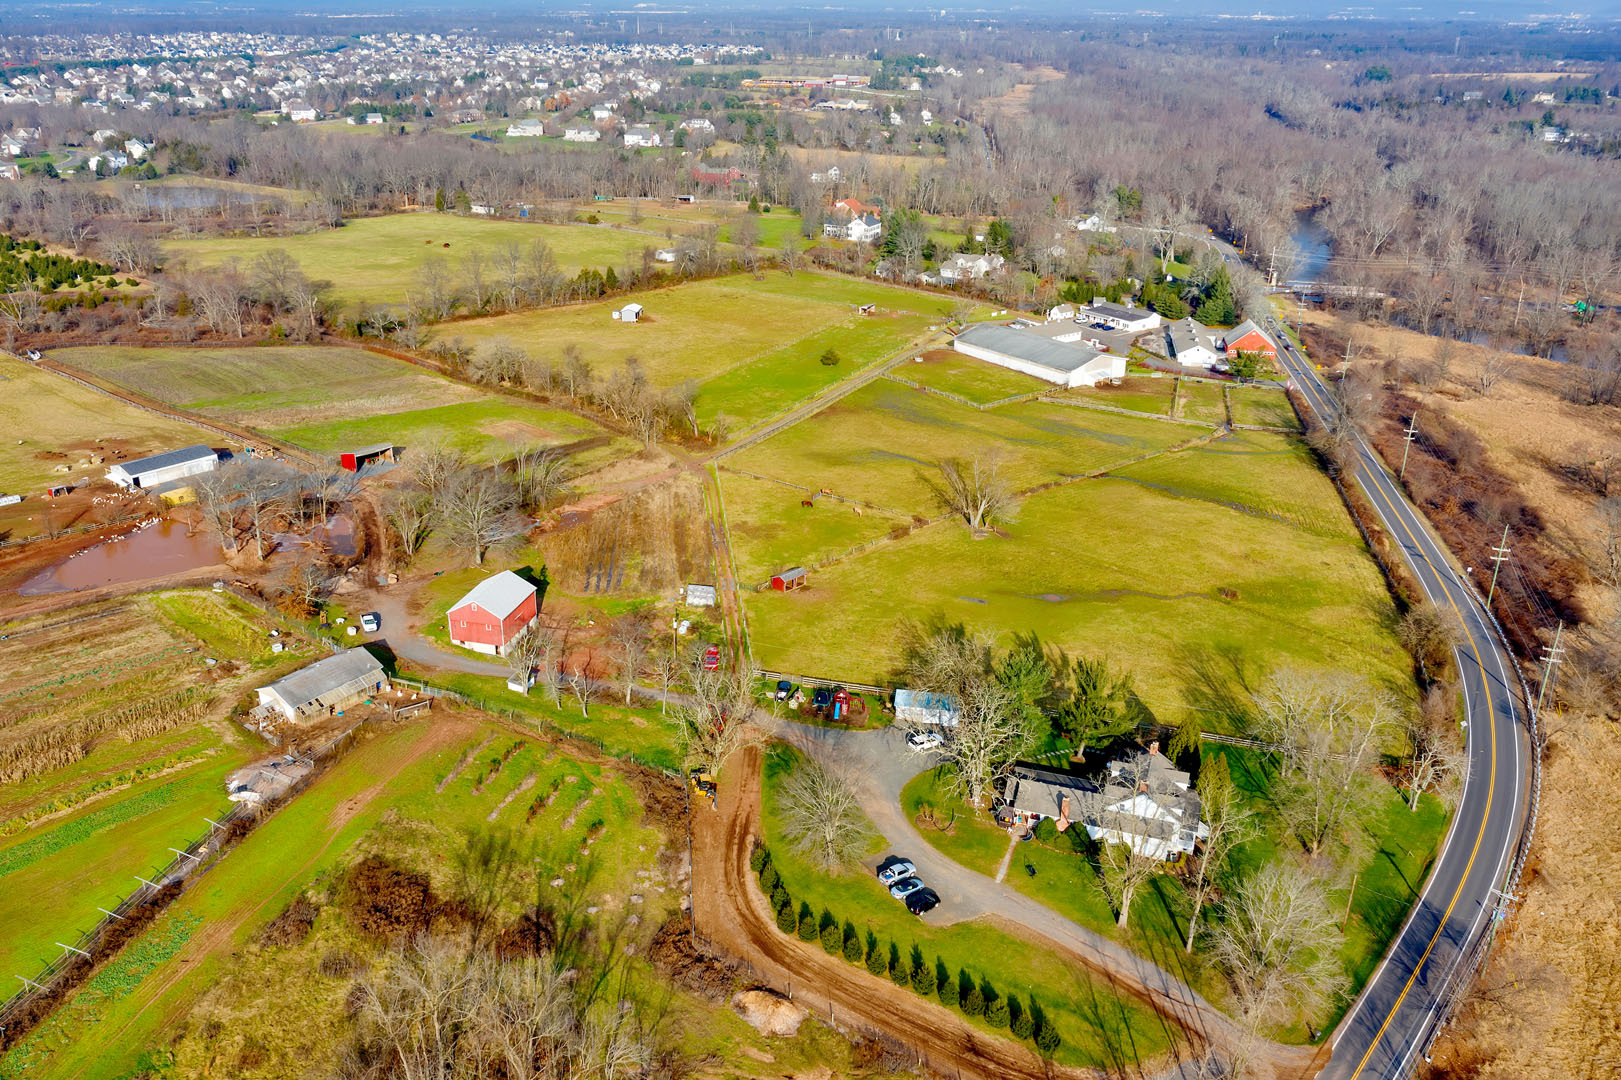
(1192, 344)
(581, 134)
(968, 267)
(1121, 316)
(526, 129)
(642, 135)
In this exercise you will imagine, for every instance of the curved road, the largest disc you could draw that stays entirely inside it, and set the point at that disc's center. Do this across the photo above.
(1388, 1028)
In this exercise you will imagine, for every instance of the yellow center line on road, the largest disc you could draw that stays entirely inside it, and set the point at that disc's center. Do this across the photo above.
(1491, 716)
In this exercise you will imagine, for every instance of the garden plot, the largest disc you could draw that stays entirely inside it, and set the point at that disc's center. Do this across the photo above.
(113, 751)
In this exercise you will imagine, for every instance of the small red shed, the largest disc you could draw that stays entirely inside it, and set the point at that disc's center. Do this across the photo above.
(789, 580)
(355, 460)
(493, 613)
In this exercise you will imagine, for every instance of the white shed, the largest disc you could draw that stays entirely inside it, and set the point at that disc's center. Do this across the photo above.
(629, 313)
(159, 469)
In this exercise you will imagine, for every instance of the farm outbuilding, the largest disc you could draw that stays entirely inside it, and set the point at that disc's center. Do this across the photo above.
(325, 685)
(700, 595)
(628, 313)
(925, 707)
(493, 613)
(159, 469)
(355, 460)
(1055, 361)
(789, 580)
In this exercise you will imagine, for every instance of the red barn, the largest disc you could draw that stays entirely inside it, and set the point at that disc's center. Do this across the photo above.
(494, 612)
(789, 580)
(1249, 338)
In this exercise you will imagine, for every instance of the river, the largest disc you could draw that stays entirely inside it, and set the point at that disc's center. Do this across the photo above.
(1312, 247)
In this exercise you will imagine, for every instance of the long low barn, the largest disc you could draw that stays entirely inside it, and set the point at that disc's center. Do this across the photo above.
(325, 685)
(159, 469)
(1055, 361)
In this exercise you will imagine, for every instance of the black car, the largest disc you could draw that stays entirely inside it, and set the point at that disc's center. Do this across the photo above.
(923, 900)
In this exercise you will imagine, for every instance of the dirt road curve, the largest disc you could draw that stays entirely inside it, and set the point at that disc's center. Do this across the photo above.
(732, 914)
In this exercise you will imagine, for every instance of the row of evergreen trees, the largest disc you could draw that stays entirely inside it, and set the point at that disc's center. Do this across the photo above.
(959, 990)
(25, 264)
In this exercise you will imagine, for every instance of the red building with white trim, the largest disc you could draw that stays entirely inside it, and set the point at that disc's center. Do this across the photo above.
(493, 613)
(1246, 337)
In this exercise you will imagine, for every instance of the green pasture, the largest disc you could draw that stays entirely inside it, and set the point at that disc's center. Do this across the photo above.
(771, 530)
(977, 380)
(269, 387)
(751, 348)
(1262, 407)
(1193, 597)
(1099, 1027)
(44, 414)
(485, 429)
(882, 443)
(378, 260)
(1203, 401)
(324, 829)
(1144, 394)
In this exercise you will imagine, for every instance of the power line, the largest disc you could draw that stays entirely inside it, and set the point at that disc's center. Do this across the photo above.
(1499, 553)
(1553, 655)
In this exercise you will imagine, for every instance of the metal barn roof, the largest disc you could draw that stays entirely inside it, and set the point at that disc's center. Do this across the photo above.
(1033, 348)
(167, 460)
(499, 595)
(325, 676)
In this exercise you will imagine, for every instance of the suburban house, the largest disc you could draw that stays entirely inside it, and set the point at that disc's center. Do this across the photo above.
(860, 229)
(526, 129)
(1144, 802)
(581, 134)
(9, 171)
(160, 469)
(1192, 344)
(642, 135)
(696, 124)
(136, 149)
(629, 313)
(1091, 223)
(11, 146)
(666, 255)
(300, 112)
(1149, 805)
(830, 175)
(1120, 317)
(925, 707)
(968, 267)
(856, 206)
(1061, 362)
(1246, 337)
(375, 119)
(493, 613)
(324, 686)
(599, 113)
(1062, 313)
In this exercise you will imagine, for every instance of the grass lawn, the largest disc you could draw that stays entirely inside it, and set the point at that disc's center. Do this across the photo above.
(347, 812)
(1203, 401)
(1098, 1027)
(44, 414)
(377, 260)
(1144, 394)
(1263, 407)
(1104, 568)
(270, 387)
(878, 444)
(977, 380)
(487, 428)
(751, 348)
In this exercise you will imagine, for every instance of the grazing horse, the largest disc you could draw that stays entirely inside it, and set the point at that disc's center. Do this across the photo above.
(857, 509)
(807, 502)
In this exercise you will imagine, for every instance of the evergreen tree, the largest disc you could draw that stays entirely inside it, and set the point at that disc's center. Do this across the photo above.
(877, 956)
(853, 950)
(974, 1002)
(1219, 308)
(786, 920)
(1020, 1020)
(897, 970)
(832, 939)
(945, 985)
(997, 1013)
(439, 199)
(754, 204)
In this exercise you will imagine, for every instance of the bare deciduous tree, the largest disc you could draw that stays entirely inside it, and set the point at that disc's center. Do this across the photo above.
(821, 817)
(973, 488)
(1277, 944)
(1229, 825)
(410, 515)
(1435, 752)
(477, 509)
(629, 634)
(718, 721)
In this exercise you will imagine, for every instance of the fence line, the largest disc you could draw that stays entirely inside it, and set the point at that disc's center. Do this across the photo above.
(92, 946)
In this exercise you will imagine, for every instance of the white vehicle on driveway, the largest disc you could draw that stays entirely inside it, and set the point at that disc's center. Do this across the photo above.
(924, 741)
(890, 873)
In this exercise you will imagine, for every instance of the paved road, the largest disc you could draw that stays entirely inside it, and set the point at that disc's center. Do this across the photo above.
(878, 764)
(1389, 1027)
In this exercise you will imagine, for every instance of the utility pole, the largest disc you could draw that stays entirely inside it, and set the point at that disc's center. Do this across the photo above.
(1412, 433)
(1499, 553)
(1553, 655)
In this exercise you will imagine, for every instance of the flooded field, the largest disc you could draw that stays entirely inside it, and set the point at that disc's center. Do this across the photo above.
(157, 548)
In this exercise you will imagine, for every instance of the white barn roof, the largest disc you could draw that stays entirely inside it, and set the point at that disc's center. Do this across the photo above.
(168, 460)
(499, 595)
(325, 678)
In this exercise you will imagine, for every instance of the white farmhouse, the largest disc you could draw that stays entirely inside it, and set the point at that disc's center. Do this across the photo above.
(159, 469)
(526, 129)
(581, 134)
(642, 135)
(968, 267)
(1192, 344)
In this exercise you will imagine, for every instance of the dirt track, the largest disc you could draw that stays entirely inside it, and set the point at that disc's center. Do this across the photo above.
(732, 915)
